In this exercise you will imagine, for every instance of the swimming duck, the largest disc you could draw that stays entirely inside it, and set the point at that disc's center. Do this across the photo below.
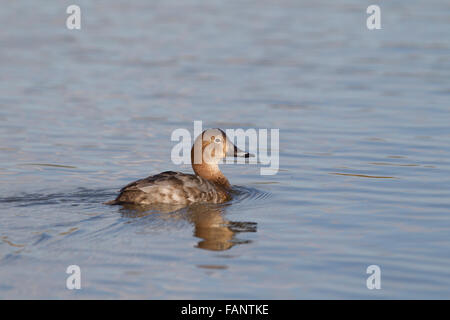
(208, 184)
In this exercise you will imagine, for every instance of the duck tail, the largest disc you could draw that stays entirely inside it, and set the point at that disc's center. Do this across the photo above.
(111, 203)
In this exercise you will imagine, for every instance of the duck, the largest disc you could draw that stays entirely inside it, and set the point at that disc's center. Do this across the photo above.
(207, 184)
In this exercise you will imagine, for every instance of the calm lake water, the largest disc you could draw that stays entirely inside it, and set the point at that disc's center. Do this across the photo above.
(364, 173)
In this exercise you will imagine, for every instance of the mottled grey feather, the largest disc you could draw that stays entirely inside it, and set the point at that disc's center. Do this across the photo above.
(172, 187)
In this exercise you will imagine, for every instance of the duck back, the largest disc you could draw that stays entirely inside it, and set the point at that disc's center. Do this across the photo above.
(171, 187)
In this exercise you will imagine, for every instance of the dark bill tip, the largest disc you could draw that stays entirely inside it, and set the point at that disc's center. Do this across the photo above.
(243, 154)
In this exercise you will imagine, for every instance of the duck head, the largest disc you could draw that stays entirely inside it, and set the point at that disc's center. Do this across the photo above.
(208, 150)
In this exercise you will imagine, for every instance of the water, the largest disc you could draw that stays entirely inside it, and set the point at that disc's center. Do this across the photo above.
(364, 148)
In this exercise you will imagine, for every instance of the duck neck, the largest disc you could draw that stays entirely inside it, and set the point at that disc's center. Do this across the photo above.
(212, 173)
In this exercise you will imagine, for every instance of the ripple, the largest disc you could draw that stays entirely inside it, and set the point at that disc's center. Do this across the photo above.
(10, 243)
(249, 195)
(212, 266)
(361, 175)
(394, 164)
(49, 165)
(81, 195)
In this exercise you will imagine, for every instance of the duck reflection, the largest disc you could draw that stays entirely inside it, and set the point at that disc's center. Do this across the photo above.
(210, 225)
(216, 232)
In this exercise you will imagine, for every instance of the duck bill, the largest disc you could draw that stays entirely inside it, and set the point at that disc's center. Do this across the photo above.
(234, 151)
(241, 154)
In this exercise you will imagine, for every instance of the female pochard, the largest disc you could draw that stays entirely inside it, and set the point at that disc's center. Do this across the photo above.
(208, 184)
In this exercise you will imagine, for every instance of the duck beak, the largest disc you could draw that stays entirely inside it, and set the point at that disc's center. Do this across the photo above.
(233, 151)
(239, 153)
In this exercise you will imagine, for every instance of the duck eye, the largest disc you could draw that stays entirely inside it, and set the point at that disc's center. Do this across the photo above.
(217, 140)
